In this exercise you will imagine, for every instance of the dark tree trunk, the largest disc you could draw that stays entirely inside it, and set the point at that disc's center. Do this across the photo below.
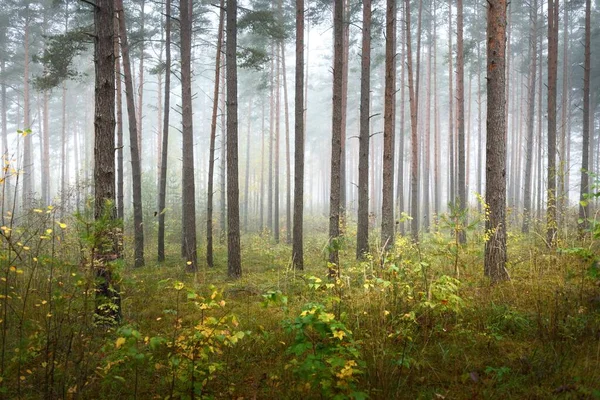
(362, 235)
(297, 246)
(234, 262)
(119, 113)
(108, 304)
(495, 194)
(162, 192)
(27, 162)
(138, 226)
(188, 183)
(460, 102)
(336, 137)
(551, 221)
(584, 206)
(277, 149)
(527, 185)
(451, 163)
(414, 160)
(247, 171)
(213, 137)
(288, 169)
(387, 195)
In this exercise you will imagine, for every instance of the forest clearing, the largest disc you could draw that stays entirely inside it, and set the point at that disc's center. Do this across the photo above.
(299, 199)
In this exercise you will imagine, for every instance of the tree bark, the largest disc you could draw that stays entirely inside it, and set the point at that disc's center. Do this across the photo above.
(162, 193)
(584, 206)
(213, 137)
(527, 185)
(495, 246)
(105, 243)
(460, 105)
(27, 163)
(138, 226)
(387, 195)
(336, 138)
(451, 161)
(188, 183)
(234, 262)
(362, 234)
(299, 125)
(288, 169)
(551, 221)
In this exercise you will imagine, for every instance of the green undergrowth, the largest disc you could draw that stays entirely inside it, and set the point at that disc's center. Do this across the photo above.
(418, 323)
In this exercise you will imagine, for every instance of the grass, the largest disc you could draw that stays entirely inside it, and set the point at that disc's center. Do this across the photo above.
(411, 329)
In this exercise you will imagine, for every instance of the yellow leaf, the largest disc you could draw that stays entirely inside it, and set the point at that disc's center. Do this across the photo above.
(339, 334)
(13, 268)
(37, 210)
(62, 225)
(120, 342)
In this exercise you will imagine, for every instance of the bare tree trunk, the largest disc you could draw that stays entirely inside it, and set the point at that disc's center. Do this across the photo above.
(413, 100)
(262, 170)
(108, 298)
(362, 235)
(4, 108)
(527, 185)
(45, 153)
(540, 130)
(223, 166)
(436, 117)
(63, 152)
(345, 57)
(400, 179)
(162, 192)
(138, 226)
(563, 167)
(299, 125)
(271, 140)
(387, 196)
(551, 220)
(27, 163)
(119, 113)
(140, 87)
(460, 105)
(277, 143)
(188, 183)
(288, 169)
(213, 137)
(584, 206)
(336, 137)
(427, 145)
(234, 262)
(495, 246)
(247, 172)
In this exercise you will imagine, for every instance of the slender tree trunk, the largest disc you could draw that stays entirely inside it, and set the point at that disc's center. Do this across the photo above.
(527, 185)
(451, 145)
(551, 220)
(362, 235)
(223, 166)
(436, 115)
(27, 163)
(119, 113)
(299, 124)
(138, 226)
(271, 140)
(495, 246)
(288, 169)
(4, 108)
(234, 262)
(345, 57)
(540, 130)
(45, 152)
(427, 145)
(336, 137)
(105, 242)
(162, 193)
(584, 206)
(188, 182)
(140, 88)
(413, 96)
(563, 167)
(387, 196)
(262, 170)
(213, 137)
(460, 105)
(63, 152)
(247, 171)
(276, 154)
(400, 179)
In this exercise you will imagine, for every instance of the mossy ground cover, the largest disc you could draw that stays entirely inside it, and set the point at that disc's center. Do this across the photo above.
(397, 325)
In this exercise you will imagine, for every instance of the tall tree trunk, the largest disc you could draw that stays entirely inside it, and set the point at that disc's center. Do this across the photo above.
(460, 105)
(262, 170)
(387, 196)
(451, 145)
(138, 226)
(551, 221)
(247, 171)
(299, 124)
(539, 127)
(343, 167)
(584, 206)
(46, 153)
(527, 185)
(436, 118)
(140, 88)
(213, 137)
(119, 113)
(234, 262)
(271, 140)
(400, 179)
(336, 137)
(563, 168)
(108, 298)
(276, 153)
(362, 234)
(188, 182)
(495, 225)
(162, 193)
(223, 166)
(4, 108)
(63, 152)
(288, 169)
(427, 144)
(414, 161)
(27, 163)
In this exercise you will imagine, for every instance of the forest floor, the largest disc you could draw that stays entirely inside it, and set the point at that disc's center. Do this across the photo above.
(403, 326)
